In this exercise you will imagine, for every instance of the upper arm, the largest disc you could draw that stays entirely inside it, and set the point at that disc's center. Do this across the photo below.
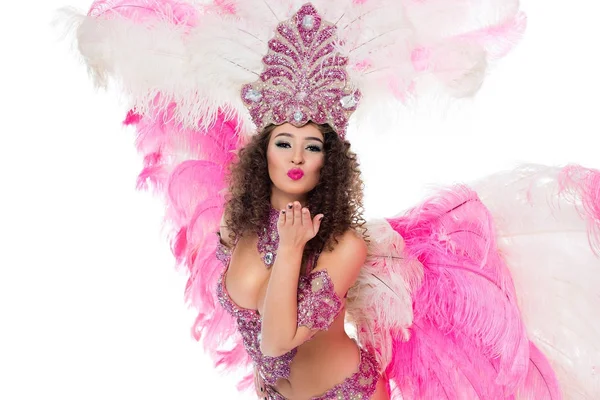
(344, 262)
(338, 268)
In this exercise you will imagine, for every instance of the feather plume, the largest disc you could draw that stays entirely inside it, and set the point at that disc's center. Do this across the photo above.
(198, 56)
(467, 335)
(540, 383)
(379, 304)
(548, 222)
(187, 168)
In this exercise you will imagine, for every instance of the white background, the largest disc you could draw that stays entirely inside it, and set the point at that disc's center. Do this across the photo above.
(90, 306)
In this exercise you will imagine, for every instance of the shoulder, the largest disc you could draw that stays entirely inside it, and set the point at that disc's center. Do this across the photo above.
(344, 262)
(350, 244)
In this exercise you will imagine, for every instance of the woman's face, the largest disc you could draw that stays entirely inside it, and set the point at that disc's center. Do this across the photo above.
(295, 157)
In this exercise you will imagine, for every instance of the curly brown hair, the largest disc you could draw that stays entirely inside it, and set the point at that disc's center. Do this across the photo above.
(338, 195)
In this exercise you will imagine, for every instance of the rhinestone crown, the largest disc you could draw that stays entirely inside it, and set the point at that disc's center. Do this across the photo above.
(305, 77)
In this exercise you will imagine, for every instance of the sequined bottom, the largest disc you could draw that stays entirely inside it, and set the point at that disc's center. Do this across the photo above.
(360, 386)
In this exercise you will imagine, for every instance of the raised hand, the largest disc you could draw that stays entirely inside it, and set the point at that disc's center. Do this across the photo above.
(296, 227)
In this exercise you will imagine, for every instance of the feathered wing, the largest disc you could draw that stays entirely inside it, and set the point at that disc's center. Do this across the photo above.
(379, 304)
(185, 166)
(495, 292)
(548, 224)
(187, 52)
(468, 340)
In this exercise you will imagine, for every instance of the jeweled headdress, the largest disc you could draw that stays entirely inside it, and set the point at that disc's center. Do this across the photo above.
(305, 77)
(190, 59)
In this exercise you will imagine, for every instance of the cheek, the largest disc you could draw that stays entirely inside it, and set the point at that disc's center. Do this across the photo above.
(316, 166)
(274, 164)
(271, 160)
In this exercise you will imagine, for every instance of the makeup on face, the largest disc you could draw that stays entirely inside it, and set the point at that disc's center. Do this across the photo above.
(295, 158)
(295, 174)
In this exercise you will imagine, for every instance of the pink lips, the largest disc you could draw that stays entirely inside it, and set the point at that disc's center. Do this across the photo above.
(295, 174)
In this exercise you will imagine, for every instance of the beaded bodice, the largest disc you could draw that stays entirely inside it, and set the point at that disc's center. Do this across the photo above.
(318, 305)
(249, 324)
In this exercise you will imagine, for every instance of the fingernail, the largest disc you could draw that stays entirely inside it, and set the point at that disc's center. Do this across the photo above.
(283, 211)
(289, 206)
(321, 218)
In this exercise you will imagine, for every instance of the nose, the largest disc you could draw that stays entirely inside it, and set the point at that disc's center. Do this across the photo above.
(298, 156)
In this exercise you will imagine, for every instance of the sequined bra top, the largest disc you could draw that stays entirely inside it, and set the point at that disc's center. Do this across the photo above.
(318, 305)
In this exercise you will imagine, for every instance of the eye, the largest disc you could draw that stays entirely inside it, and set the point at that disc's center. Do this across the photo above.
(314, 148)
(283, 145)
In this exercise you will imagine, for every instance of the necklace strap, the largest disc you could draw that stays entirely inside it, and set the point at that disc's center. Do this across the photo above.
(268, 239)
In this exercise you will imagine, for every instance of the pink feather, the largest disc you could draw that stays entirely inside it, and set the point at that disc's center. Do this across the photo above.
(178, 12)
(499, 39)
(467, 336)
(541, 382)
(188, 169)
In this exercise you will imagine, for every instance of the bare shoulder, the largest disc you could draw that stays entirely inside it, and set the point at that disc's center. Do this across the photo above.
(344, 262)
(350, 245)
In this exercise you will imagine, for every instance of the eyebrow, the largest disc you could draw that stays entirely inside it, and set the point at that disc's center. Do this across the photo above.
(306, 138)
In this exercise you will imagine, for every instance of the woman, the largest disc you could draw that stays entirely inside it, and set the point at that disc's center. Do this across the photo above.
(307, 179)
(432, 293)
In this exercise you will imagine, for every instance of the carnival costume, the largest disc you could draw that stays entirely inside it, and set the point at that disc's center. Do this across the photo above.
(482, 292)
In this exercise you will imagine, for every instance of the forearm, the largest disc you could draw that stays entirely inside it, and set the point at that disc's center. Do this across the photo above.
(279, 318)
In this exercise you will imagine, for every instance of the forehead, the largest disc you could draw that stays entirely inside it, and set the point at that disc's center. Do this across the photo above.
(308, 130)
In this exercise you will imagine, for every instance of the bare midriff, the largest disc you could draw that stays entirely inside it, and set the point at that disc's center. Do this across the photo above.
(321, 363)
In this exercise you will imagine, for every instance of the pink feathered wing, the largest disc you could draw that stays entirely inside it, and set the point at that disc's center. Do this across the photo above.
(187, 168)
(467, 338)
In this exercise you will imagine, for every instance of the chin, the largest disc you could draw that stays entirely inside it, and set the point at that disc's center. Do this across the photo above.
(298, 188)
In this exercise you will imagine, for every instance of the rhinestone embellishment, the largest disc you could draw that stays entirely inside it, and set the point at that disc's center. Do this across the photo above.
(304, 78)
(308, 22)
(348, 101)
(253, 95)
(269, 258)
(268, 239)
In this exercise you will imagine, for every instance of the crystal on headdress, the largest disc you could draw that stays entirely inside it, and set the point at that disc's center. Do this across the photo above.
(308, 22)
(348, 101)
(305, 77)
(253, 95)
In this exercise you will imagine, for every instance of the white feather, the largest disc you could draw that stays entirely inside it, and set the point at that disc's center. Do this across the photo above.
(544, 238)
(397, 50)
(380, 303)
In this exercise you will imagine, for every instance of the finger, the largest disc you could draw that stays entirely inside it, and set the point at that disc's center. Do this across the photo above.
(289, 213)
(317, 222)
(281, 219)
(297, 213)
(306, 217)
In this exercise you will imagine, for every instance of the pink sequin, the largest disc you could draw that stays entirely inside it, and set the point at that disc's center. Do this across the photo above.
(305, 78)
(249, 325)
(318, 304)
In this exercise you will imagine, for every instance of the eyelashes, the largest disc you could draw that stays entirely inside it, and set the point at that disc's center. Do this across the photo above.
(311, 147)
(283, 145)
